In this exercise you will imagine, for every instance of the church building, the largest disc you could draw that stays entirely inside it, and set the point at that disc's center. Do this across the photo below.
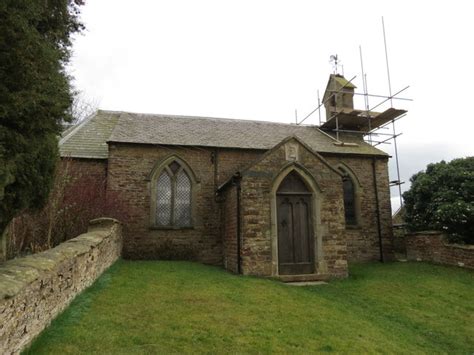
(297, 202)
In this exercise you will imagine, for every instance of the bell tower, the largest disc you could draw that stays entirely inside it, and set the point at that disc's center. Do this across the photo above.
(339, 96)
(341, 116)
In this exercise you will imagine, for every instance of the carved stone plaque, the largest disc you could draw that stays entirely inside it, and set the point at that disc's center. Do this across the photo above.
(291, 150)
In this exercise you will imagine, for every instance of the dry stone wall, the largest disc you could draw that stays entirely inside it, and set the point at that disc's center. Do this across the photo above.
(432, 247)
(36, 288)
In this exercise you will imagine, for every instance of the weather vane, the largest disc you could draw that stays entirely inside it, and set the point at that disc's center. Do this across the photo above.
(334, 60)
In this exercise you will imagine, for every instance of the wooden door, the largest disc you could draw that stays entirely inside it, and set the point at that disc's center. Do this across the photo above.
(295, 232)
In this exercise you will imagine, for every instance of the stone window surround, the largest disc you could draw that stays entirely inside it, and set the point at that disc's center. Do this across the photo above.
(317, 198)
(348, 172)
(155, 173)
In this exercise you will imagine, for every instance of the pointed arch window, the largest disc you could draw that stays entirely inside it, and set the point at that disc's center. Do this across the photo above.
(173, 199)
(350, 199)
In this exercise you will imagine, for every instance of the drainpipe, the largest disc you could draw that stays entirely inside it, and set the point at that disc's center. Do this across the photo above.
(239, 239)
(215, 162)
(377, 210)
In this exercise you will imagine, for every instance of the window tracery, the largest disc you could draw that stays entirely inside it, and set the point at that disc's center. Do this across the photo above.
(173, 197)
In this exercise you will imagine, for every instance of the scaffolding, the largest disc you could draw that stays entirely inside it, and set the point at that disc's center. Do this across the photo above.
(376, 128)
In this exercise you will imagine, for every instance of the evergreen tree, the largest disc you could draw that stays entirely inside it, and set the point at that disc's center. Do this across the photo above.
(442, 198)
(35, 95)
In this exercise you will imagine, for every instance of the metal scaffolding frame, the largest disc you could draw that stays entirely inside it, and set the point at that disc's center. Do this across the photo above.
(375, 135)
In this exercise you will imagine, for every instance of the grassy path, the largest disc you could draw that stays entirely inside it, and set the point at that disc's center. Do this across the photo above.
(161, 307)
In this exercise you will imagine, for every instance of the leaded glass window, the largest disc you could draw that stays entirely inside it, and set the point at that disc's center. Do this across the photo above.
(349, 200)
(163, 199)
(173, 197)
(182, 214)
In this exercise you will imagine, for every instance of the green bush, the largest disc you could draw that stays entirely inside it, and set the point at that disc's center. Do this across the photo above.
(442, 198)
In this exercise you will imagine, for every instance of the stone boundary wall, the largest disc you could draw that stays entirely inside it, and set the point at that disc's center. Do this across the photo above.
(36, 288)
(433, 247)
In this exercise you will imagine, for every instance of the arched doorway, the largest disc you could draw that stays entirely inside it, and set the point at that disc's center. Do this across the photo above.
(294, 225)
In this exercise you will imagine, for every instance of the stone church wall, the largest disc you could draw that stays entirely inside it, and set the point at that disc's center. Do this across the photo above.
(84, 176)
(128, 177)
(229, 228)
(36, 288)
(232, 160)
(257, 185)
(128, 169)
(86, 170)
(362, 239)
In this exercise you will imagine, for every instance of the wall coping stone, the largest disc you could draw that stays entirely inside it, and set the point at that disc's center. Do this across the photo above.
(443, 236)
(434, 246)
(103, 222)
(18, 273)
(85, 257)
(460, 246)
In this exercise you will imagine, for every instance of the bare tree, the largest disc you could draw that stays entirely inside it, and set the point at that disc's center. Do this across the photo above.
(82, 107)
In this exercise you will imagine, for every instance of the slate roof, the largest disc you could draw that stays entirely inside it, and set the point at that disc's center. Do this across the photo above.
(89, 139)
(342, 81)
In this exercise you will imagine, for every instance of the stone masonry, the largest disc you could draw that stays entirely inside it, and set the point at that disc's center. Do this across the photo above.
(211, 167)
(205, 241)
(362, 239)
(230, 237)
(433, 247)
(222, 209)
(257, 184)
(36, 288)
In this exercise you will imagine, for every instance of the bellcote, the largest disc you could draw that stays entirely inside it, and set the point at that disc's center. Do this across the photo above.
(342, 116)
(339, 95)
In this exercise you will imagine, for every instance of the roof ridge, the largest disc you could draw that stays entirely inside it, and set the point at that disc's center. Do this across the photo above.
(128, 127)
(163, 115)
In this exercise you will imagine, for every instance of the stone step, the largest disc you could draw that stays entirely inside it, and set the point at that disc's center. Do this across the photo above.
(303, 278)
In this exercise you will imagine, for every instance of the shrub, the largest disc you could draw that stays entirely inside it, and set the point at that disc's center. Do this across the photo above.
(442, 198)
(75, 199)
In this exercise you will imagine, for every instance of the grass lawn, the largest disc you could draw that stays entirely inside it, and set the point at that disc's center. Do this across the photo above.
(140, 307)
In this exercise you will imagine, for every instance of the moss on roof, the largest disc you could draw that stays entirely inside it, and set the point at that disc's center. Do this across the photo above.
(343, 81)
(88, 140)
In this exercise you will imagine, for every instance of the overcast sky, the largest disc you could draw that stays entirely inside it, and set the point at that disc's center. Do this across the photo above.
(263, 59)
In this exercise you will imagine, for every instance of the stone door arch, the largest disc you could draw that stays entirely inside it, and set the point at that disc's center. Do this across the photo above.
(294, 227)
(296, 190)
